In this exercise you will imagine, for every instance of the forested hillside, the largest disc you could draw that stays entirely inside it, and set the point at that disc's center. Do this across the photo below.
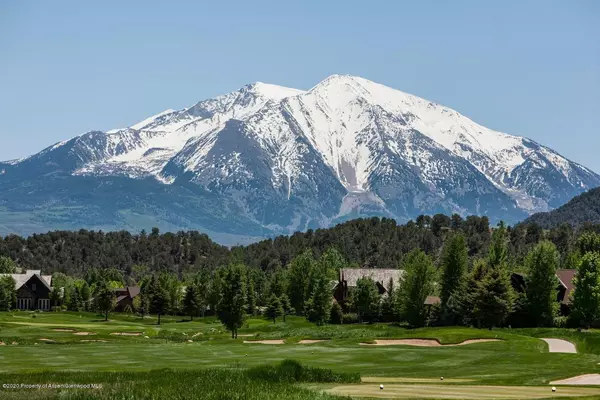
(373, 242)
(583, 209)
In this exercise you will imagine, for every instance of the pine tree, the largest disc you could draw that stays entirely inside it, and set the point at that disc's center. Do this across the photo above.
(159, 298)
(274, 309)
(232, 307)
(318, 305)
(586, 298)
(287, 306)
(191, 301)
(493, 298)
(366, 299)
(454, 264)
(541, 283)
(418, 284)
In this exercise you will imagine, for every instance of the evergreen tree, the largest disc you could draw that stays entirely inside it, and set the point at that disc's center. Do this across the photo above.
(287, 306)
(300, 271)
(586, 298)
(493, 298)
(232, 307)
(8, 295)
(418, 284)
(466, 297)
(278, 284)
(318, 305)
(74, 300)
(274, 309)
(105, 299)
(541, 283)
(454, 265)
(158, 297)
(191, 301)
(7, 265)
(366, 299)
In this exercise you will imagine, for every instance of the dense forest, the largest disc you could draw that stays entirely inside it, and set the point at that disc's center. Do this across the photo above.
(581, 210)
(372, 242)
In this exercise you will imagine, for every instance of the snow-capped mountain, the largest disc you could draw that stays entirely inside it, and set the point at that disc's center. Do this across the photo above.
(268, 159)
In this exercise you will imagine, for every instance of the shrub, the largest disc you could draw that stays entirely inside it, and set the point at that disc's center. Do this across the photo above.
(336, 316)
(350, 318)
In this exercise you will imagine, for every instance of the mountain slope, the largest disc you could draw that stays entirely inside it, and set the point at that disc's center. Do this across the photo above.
(267, 159)
(582, 209)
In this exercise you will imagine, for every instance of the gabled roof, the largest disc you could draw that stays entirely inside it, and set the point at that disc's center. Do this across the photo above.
(21, 279)
(129, 291)
(566, 277)
(379, 275)
(432, 300)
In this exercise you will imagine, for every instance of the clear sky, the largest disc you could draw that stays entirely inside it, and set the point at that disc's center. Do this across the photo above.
(530, 68)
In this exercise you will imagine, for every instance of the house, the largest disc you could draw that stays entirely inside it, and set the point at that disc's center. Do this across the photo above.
(432, 301)
(564, 291)
(33, 290)
(125, 298)
(349, 276)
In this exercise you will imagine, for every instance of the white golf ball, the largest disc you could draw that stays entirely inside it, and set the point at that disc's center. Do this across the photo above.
(441, 378)
(553, 389)
(381, 387)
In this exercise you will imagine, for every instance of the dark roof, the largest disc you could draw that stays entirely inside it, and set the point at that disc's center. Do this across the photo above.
(379, 275)
(431, 300)
(566, 276)
(130, 291)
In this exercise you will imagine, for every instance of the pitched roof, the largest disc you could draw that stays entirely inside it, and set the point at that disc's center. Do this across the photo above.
(133, 291)
(566, 277)
(21, 279)
(379, 275)
(431, 300)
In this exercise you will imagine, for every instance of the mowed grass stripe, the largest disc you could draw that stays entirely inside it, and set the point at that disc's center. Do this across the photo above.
(459, 391)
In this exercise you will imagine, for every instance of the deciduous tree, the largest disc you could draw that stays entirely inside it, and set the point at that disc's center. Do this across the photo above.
(541, 283)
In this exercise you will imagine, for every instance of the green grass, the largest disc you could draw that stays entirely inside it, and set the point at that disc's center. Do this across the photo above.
(518, 359)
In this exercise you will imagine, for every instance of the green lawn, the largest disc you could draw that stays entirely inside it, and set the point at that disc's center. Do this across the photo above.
(518, 359)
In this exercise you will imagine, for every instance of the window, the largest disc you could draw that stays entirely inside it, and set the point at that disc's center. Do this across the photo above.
(33, 286)
(43, 304)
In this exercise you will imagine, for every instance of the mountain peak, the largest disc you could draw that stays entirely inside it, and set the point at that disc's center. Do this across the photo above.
(270, 91)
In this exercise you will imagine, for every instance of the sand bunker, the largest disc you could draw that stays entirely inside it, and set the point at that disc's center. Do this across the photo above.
(560, 346)
(246, 335)
(2, 344)
(63, 330)
(423, 342)
(588, 379)
(278, 341)
(84, 333)
(310, 341)
(391, 379)
(127, 333)
(197, 334)
(46, 340)
(89, 341)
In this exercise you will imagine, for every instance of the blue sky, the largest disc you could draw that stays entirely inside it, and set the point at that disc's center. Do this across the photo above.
(530, 68)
